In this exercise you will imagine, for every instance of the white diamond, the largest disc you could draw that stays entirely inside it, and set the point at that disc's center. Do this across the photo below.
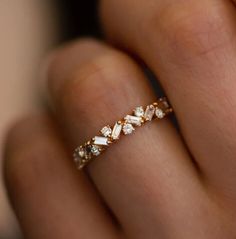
(149, 113)
(77, 159)
(95, 150)
(139, 111)
(133, 120)
(128, 128)
(80, 152)
(106, 131)
(116, 131)
(159, 113)
(163, 104)
(166, 104)
(79, 155)
(100, 140)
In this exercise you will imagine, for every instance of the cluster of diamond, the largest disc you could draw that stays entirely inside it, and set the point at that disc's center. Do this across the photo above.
(126, 126)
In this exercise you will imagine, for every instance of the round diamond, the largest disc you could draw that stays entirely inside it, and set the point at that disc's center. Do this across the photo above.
(80, 152)
(79, 155)
(139, 111)
(106, 131)
(159, 113)
(95, 150)
(87, 150)
(128, 128)
(77, 159)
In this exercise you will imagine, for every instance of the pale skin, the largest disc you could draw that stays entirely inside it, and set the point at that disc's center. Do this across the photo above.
(158, 182)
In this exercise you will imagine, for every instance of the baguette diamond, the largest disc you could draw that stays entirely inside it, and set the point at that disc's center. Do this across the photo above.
(133, 120)
(100, 140)
(85, 153)
(149, 113)
(116, 131)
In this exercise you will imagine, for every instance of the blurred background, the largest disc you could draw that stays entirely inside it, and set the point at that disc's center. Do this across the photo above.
(30, 29)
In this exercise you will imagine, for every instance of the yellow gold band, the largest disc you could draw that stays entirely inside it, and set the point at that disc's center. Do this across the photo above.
(87, 152)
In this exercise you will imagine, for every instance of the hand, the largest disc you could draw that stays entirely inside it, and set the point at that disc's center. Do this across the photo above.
(156, 183)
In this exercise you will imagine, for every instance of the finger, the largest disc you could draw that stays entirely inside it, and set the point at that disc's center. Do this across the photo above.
(190, 46)
(145, 175)
(50, 199)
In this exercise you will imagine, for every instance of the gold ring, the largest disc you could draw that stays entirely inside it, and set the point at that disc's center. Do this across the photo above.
(87, 152)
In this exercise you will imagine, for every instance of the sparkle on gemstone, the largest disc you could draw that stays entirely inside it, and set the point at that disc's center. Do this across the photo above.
(133, 120)
(106, 131)
(78, 161)
(116, 131)
(98, 140)
(128, 128)
(95, 150)
(159, 113)
(77, 157)
(80, 152)
(149, 113)
(139, 111)
(164, 105)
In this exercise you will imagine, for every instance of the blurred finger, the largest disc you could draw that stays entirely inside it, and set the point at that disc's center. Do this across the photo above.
(50, 198)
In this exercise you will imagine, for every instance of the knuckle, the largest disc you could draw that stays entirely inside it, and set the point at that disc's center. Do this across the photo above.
(56, 63)
(194, 32)
(95, 82)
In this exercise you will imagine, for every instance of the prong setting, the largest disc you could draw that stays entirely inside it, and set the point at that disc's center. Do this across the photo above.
(108, 135)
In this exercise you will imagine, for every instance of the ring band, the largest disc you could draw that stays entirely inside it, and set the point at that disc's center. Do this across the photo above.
(87, 152)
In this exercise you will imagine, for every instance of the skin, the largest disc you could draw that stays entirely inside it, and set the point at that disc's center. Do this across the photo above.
(157, 183)
(29, 30)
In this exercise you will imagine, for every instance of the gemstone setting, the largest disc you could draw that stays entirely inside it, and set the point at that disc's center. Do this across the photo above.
(99, 140)
(106, 131)
(159, 113)
(116, 131)
(139, 111)
(95, 150)
(137, 121)
(108, 135)
(164, 105)
(80, 152)
(128, 128)
(149, 112)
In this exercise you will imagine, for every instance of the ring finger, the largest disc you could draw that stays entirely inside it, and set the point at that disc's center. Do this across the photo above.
(91, 85)
(190, 45)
